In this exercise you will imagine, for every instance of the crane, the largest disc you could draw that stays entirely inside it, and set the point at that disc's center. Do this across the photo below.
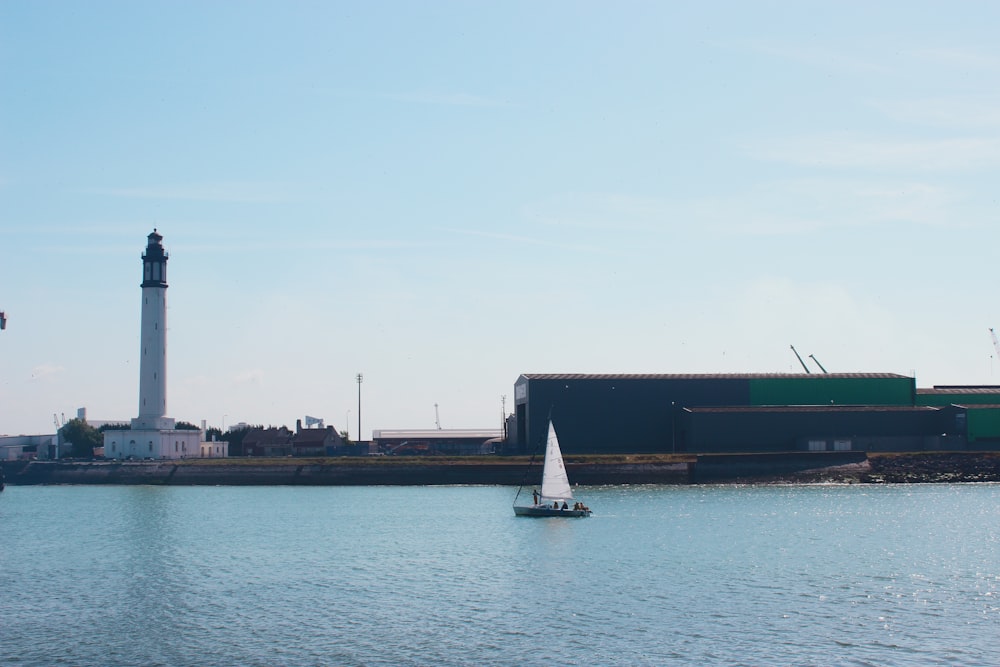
(800, 359)
(813, 357)
(996, 343)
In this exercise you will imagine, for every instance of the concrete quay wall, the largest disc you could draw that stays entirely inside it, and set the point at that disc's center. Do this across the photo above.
(338, 472)
(839, 467)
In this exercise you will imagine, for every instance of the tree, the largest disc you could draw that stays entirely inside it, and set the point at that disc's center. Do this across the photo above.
(83, 438)
(235, 439)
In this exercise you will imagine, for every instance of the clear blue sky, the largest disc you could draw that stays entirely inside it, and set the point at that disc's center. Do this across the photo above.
(445, 195)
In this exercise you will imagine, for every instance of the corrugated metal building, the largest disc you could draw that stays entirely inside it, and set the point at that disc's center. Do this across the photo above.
(632, 413)
(982, 410)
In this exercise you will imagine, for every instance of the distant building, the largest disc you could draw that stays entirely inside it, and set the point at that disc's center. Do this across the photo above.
(15, 447)
(317, 441)
(267, 442)
(213, 449)
(450, 442)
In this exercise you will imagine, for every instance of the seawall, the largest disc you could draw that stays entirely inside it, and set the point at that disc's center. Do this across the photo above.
(332, 472)
(838, 467)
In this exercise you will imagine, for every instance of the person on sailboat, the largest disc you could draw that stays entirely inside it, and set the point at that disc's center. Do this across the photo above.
(534, 495)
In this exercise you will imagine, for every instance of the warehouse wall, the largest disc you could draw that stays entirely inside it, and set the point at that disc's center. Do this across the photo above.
(658, 413)
(792, 429)
(833, 390)
(616, 415)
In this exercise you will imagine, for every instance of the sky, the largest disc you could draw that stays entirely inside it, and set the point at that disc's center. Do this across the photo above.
(445, 195)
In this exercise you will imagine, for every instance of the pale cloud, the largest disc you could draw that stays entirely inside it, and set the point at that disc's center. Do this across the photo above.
(954, 112)
(958, 58)
(45, 371)
(817, 57)
(602, 211)
(299, 244)
(254, 376)
(843, 151)
(232, 192)
(561, 243)
(515, 238)
(457, 99)
(845, 330)
(806, 205)
(781, 207)
(198, 381)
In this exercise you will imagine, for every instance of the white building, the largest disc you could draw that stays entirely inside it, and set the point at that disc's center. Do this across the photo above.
(153, 434)
(13, 447)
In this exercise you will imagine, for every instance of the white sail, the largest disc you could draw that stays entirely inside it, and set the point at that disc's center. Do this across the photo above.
(555, 483)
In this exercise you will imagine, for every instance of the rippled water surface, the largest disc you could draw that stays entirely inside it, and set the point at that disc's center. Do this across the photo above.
(709, 575)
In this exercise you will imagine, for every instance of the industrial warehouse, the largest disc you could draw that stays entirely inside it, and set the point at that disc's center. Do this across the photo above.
(751, 413)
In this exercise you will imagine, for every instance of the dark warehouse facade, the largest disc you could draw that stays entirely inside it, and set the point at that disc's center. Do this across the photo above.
(732, 413)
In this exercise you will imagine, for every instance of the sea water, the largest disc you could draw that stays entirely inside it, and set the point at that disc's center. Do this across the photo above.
(677, 575)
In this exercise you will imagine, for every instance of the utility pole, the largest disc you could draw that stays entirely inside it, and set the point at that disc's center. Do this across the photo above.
(503, 415)
(360, 379)
(673, 427)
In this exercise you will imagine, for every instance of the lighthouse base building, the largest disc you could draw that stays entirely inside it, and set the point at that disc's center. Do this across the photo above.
(166, 443)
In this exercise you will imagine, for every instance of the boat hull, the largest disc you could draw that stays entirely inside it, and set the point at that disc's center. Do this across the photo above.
(521, 510)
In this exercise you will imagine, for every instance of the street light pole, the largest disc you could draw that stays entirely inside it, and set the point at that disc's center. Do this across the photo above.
(360, 378)
(673, 428)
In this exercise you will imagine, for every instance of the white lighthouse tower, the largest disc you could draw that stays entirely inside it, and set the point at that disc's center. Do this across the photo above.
(153, 434)
(153, 354)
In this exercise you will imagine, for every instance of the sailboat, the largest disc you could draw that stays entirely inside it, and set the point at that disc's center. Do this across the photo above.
(556, 498)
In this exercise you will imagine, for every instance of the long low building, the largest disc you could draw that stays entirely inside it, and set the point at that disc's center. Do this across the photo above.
(436, 441)
(638, 413)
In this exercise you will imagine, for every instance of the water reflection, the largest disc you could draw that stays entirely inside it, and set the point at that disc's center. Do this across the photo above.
(149, 582)
(385, 576)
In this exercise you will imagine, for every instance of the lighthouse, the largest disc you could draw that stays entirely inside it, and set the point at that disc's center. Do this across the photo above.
(153, 352)
(153, 435)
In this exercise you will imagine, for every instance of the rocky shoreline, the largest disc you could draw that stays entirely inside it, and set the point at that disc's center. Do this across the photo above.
(919, 468)
(793, 468)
